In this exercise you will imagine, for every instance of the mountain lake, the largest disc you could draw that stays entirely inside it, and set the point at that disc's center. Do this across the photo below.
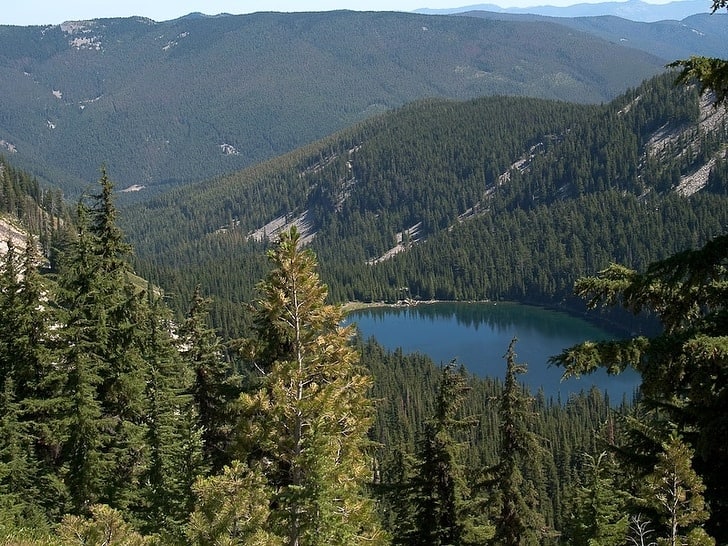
(477, 336)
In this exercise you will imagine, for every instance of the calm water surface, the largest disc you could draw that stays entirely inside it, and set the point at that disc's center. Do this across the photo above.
(478, 334)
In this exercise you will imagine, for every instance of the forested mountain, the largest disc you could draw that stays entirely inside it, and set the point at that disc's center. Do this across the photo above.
(120, 425)
(485, 199)
(163, 104)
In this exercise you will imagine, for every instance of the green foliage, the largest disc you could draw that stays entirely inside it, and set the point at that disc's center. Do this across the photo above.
(683, 369)
(213, 389)
(103, 526)
(444, 509)
(598, 508)
(676, 491)
(231, 510)
(305, 427)
(38, 210)
(514, 500)
(710, 73)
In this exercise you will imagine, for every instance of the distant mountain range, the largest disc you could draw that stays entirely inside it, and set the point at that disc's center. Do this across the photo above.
(163, 104)
(634, 10)
(702, 34)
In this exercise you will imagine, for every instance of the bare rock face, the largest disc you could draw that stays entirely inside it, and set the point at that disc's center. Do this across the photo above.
(11, 232)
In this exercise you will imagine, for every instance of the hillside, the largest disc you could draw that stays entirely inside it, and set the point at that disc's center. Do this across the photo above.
(26, 207)
(162, 104)
(492, 198)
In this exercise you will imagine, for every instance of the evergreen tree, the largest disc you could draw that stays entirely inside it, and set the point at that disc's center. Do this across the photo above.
(444, 509)
(231, 509)
(19, 492)
(684, 369)
(102, 345)
(213, 389)
(28, 364)
(172, 440)
(103, 526)
(598, 516)
(514, 503)
(306, 427)
(676, 491)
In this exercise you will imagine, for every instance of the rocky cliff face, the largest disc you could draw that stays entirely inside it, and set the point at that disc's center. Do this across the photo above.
(9, 231)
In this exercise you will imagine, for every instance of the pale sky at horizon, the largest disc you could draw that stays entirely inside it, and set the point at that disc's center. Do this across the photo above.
(44, 12)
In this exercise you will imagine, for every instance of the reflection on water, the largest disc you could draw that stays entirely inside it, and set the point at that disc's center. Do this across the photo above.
(478, 334)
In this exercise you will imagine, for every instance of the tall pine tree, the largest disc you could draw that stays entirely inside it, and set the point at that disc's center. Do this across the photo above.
(513, 501)
(103, 347)
(444, 509)
(305, 428)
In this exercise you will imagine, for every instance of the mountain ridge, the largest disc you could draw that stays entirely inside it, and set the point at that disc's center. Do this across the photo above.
(634, 10)
(247, 88)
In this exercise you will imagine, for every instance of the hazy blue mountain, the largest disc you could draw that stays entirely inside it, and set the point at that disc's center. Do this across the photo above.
(635, 10)
(162, 104)
(703, 34)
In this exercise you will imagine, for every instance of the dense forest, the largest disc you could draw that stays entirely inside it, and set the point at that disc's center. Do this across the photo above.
(123, 425)
(495, 198)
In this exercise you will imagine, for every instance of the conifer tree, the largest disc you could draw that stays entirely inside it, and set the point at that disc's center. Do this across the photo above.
(444, 509)
(598, 516)
(27, 355)
(676, 492)
(19, 493)
(684, 369)
(232, 509)
(306, 427)
(213, 388)
(103, 357)
(172, 438)
(514, 503)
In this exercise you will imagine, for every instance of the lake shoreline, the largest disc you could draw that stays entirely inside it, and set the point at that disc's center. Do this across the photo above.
(475, 333)
(592, 317)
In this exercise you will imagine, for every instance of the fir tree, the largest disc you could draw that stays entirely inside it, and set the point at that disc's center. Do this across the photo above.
(306, 427)
(442, 501)
(27, 354)
(598, 516)
(172, 438)
(514, 503)
(103, 357)
(213, 388)
(684, 369)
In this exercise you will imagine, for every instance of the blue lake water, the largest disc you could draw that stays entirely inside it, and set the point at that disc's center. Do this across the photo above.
(478, 334)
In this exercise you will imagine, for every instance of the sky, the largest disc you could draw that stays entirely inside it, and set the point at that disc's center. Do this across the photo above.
(43, 12)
